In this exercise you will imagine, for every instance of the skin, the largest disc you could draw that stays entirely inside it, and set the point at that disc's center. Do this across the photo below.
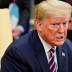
(53, 29)
(70, 24)
(16, 33)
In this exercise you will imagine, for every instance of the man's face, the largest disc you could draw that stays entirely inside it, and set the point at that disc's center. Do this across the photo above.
(53, 29)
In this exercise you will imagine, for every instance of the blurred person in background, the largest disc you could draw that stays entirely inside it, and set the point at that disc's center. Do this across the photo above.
(45, 49)
(17, 32)
(24, 11)
(70, 30)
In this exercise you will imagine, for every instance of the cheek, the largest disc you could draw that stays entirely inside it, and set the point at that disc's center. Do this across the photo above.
(50, 34)
(65, 34)
(65, 31)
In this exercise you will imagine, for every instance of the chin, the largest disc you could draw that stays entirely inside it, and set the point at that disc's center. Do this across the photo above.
(59, 43)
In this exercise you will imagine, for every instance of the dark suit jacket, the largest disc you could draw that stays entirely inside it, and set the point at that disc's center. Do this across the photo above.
(27, 55)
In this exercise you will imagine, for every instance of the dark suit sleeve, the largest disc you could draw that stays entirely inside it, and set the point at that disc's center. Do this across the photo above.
(12, 62)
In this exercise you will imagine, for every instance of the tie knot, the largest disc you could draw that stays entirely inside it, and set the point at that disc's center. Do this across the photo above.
(52, 50)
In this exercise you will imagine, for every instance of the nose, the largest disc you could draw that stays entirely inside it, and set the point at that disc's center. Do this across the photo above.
(61, 29)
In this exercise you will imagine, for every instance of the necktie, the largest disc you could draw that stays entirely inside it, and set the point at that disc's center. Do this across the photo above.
(52, 64)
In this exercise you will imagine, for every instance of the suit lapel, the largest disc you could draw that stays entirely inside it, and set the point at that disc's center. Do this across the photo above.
(62, 59)
(41, 56)
(43, 62)
(40, 53)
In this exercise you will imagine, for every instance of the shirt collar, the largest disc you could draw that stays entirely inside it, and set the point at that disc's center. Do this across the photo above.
(46, 46)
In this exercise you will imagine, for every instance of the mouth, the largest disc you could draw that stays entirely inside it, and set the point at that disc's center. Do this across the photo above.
(60, 38)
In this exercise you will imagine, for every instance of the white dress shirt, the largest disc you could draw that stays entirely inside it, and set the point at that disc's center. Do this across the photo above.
(47, 47)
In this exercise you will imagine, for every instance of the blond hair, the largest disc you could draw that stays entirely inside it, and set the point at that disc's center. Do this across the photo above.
(52, 8)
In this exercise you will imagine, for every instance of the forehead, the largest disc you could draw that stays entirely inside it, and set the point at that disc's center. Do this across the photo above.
(58, 18)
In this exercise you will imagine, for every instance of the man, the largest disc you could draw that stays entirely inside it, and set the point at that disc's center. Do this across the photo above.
(45, 49)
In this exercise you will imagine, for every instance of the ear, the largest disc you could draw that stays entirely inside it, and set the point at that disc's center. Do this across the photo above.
(38, 24)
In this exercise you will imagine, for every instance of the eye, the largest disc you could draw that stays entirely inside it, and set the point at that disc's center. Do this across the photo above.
(64, 23)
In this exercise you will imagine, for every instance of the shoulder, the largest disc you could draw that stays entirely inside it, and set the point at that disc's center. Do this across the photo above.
(23, 41)
(68, 43)
(68, 46)
(20, 47)
(18, 54)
